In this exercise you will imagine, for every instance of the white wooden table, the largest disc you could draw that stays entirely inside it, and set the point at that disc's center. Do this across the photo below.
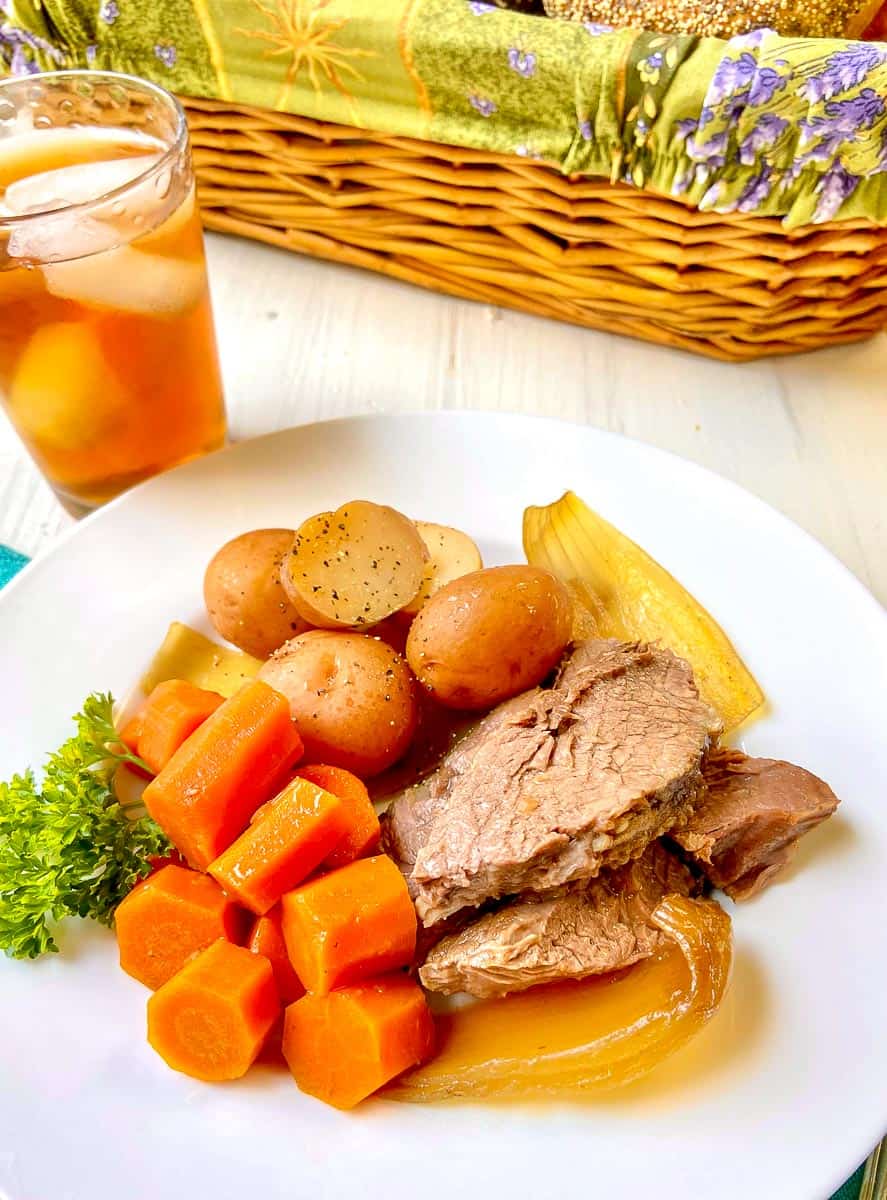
(303, 340)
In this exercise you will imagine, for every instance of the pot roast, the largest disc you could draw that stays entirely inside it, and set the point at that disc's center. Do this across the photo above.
(532, 850)
(559, 782)
(587, 928)
(750, 817)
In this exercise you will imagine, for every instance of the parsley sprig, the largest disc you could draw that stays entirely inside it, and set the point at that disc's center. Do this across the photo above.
(67, 846)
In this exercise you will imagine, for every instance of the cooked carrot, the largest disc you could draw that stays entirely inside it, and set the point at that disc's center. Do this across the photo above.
(356, 922)
(171, 714)
(271, 1053)
(130, 732)
(285, 841)
(267, 939)
(362, 836)
(211, 1019)
(169, 916)
(164, 860)
(129, 736)
(343, 1047)
(207, 792)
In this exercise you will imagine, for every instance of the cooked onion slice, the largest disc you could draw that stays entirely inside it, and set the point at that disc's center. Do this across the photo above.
(569, 1038)
(626, 594)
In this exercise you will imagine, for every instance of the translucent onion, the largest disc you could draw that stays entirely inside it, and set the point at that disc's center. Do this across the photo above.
(620, 591)
(572, 1038)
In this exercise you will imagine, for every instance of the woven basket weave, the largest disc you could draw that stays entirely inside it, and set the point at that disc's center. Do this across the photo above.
(503, 230)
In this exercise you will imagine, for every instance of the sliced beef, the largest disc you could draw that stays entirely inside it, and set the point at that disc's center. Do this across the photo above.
(557, 783)
(599, 925)
(747, 825)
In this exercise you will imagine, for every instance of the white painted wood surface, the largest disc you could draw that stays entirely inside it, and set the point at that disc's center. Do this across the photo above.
(303, 340)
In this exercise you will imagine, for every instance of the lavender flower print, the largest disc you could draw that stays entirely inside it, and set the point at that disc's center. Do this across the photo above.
(765, 84)
(91, 52)
(837, 186)
(686, 128)
(712, 197)
(764, 136)
(756, 190)
(522, 62)
(479, 7)
(19, 49)
(733, 75)
(167, 54)
(683, 181)
(650, 68)
(595, 29)
(109, 12)
(843, 70)
(586, 131)
(843, 118)
(750, 41)
(485, 107)
(710, 154)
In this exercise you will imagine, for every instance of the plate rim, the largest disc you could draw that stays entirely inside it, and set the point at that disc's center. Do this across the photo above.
(146, 487)
(859, 592)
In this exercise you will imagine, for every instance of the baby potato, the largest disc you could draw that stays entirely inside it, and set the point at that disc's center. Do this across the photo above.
(489, 635)
(352, 697)
(451, 553)
(244, 597)
(354, 567)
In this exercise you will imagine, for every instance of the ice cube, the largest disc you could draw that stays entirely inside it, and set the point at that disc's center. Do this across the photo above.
(51, 190)
(128, 281)
(64, 395)
(172, 226)
(57, 237)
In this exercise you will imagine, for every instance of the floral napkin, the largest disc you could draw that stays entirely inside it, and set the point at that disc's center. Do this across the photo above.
(780, 127)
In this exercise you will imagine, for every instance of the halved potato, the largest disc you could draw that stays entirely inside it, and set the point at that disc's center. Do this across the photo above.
(353, 567)
(452, 554)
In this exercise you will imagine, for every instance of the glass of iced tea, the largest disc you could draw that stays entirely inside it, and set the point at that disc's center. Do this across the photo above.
(108, 363)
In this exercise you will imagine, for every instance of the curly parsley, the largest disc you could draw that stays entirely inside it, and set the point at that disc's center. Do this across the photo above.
(67, 846)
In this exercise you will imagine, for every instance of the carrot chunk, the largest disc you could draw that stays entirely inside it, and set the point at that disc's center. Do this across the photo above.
(131, 731)
(211, 1019)
(344, 1046)
(207, 792)
(170, 916)
(171, 714)
(287, 838)
(362, 836)
(348, 925)
(129, 737)
(267, 939)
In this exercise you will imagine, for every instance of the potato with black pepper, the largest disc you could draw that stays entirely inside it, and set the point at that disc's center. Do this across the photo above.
(244, 595)
(352, 697)
(352, 568)
(489, 635)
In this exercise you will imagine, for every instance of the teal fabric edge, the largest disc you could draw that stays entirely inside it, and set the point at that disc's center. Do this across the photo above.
(850, 1190)
(11, 562)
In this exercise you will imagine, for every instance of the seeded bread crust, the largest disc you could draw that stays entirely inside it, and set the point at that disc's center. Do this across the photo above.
(725, 18)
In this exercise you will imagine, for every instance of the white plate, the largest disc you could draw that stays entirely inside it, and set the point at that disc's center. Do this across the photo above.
(782, 1096)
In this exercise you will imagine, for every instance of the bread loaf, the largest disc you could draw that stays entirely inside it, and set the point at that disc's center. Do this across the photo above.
(726, 18)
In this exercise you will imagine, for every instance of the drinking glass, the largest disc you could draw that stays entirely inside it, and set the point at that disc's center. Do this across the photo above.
(108, 363)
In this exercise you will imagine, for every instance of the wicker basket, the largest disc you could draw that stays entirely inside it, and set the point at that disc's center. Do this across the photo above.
(503, 230)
